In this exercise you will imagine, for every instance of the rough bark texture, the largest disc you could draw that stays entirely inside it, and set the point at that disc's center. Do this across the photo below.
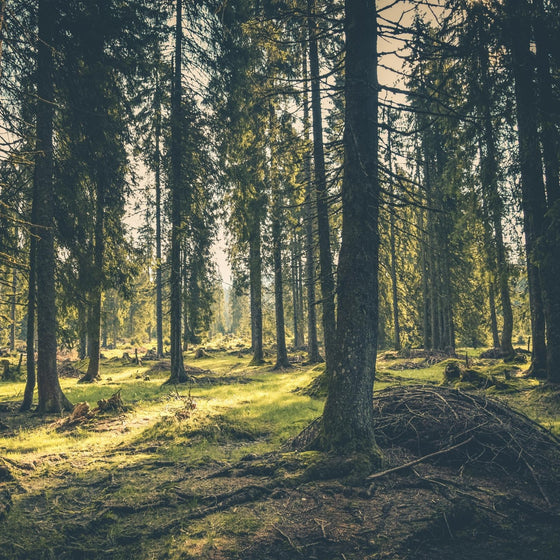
(538, 232)
(321, 194)
(393, 251)
(255, 281)
(31, 379)
(2, 12)
(51, 397)
(494, 203)
(313, 355)
(159, 281)
(178, 374)
(348, 413)
(281, 351)
(94, 299)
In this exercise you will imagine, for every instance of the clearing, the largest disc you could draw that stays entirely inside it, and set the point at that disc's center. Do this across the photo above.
(214, 470)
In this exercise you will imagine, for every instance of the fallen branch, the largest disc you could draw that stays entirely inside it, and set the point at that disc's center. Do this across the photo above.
(419, 460)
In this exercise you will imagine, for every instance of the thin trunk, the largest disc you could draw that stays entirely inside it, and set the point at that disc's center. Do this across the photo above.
(348, 414)
(393, 250)
(321, 194)
(2, 16)
(31, 313)
(82, 330)
(159, 281)
(178, 374)
(295, 297)
(282, 361)
(493, 318)
(255, 280)
(532, 186)
(51, 397)
(94, 299)
(13, 310)
(313, 355)
(489, 177)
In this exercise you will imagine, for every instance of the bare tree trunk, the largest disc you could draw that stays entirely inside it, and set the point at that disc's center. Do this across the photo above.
(313, 355)
(51, 397)
(94, 299)
(30, 380)
(548, 115)
(2, 15)
(178, 374)
(255, 280)
(321, 193)
(393, 251)
(159, 280)
(348, 414)
(493, 318)
(494, 203)
(13, 310)
(282, 361)
(532, 186)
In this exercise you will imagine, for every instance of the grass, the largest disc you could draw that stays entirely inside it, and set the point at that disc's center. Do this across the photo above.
(83, 479)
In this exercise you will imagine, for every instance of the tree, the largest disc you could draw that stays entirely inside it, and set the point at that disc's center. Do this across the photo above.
(542, 228)
(178, 374)
(348, 414)
(321, 194)
(51, 397)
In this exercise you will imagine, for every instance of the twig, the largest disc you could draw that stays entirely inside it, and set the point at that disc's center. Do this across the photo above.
(420, 460)
(287, 537)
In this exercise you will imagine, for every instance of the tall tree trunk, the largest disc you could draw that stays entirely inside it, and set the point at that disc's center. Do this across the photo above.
(295, 296)
(548, 114)
(178, 374)
(94, 299)
(489, 177)
(51, 397)
(313, 355)
(393, 251)
(321, 194)
(2, 16)
(282, 361)
(255, 281)
(159, 280)
(13, 310)
(82, 330)
(532, 186)
(493, 318)
(31, 312)
(348, 413)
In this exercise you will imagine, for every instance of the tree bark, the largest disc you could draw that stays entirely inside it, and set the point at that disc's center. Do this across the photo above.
(282, 361)
(31, 379)
(313, 355)
(255, 280)
(392, 246)
(178, 374)
(13, 310)
(348, 413)
(2, 16)
(533, 193)
(51, 397)
(159, 280)
(489, 177)
(94, 297)
(321, 194)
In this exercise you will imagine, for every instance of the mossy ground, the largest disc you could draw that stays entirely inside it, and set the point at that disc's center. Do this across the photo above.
(165, 480)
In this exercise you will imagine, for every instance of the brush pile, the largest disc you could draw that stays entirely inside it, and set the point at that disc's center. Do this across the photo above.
(492, 437)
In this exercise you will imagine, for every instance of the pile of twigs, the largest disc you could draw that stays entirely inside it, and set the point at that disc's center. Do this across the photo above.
(479, 432)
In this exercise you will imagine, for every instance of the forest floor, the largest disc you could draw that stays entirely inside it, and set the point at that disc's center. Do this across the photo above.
(211, 470)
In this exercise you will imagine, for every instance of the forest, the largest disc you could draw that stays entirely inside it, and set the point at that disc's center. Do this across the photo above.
(304, 256)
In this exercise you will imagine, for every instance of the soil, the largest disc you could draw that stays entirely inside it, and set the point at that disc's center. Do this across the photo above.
(492, 492)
